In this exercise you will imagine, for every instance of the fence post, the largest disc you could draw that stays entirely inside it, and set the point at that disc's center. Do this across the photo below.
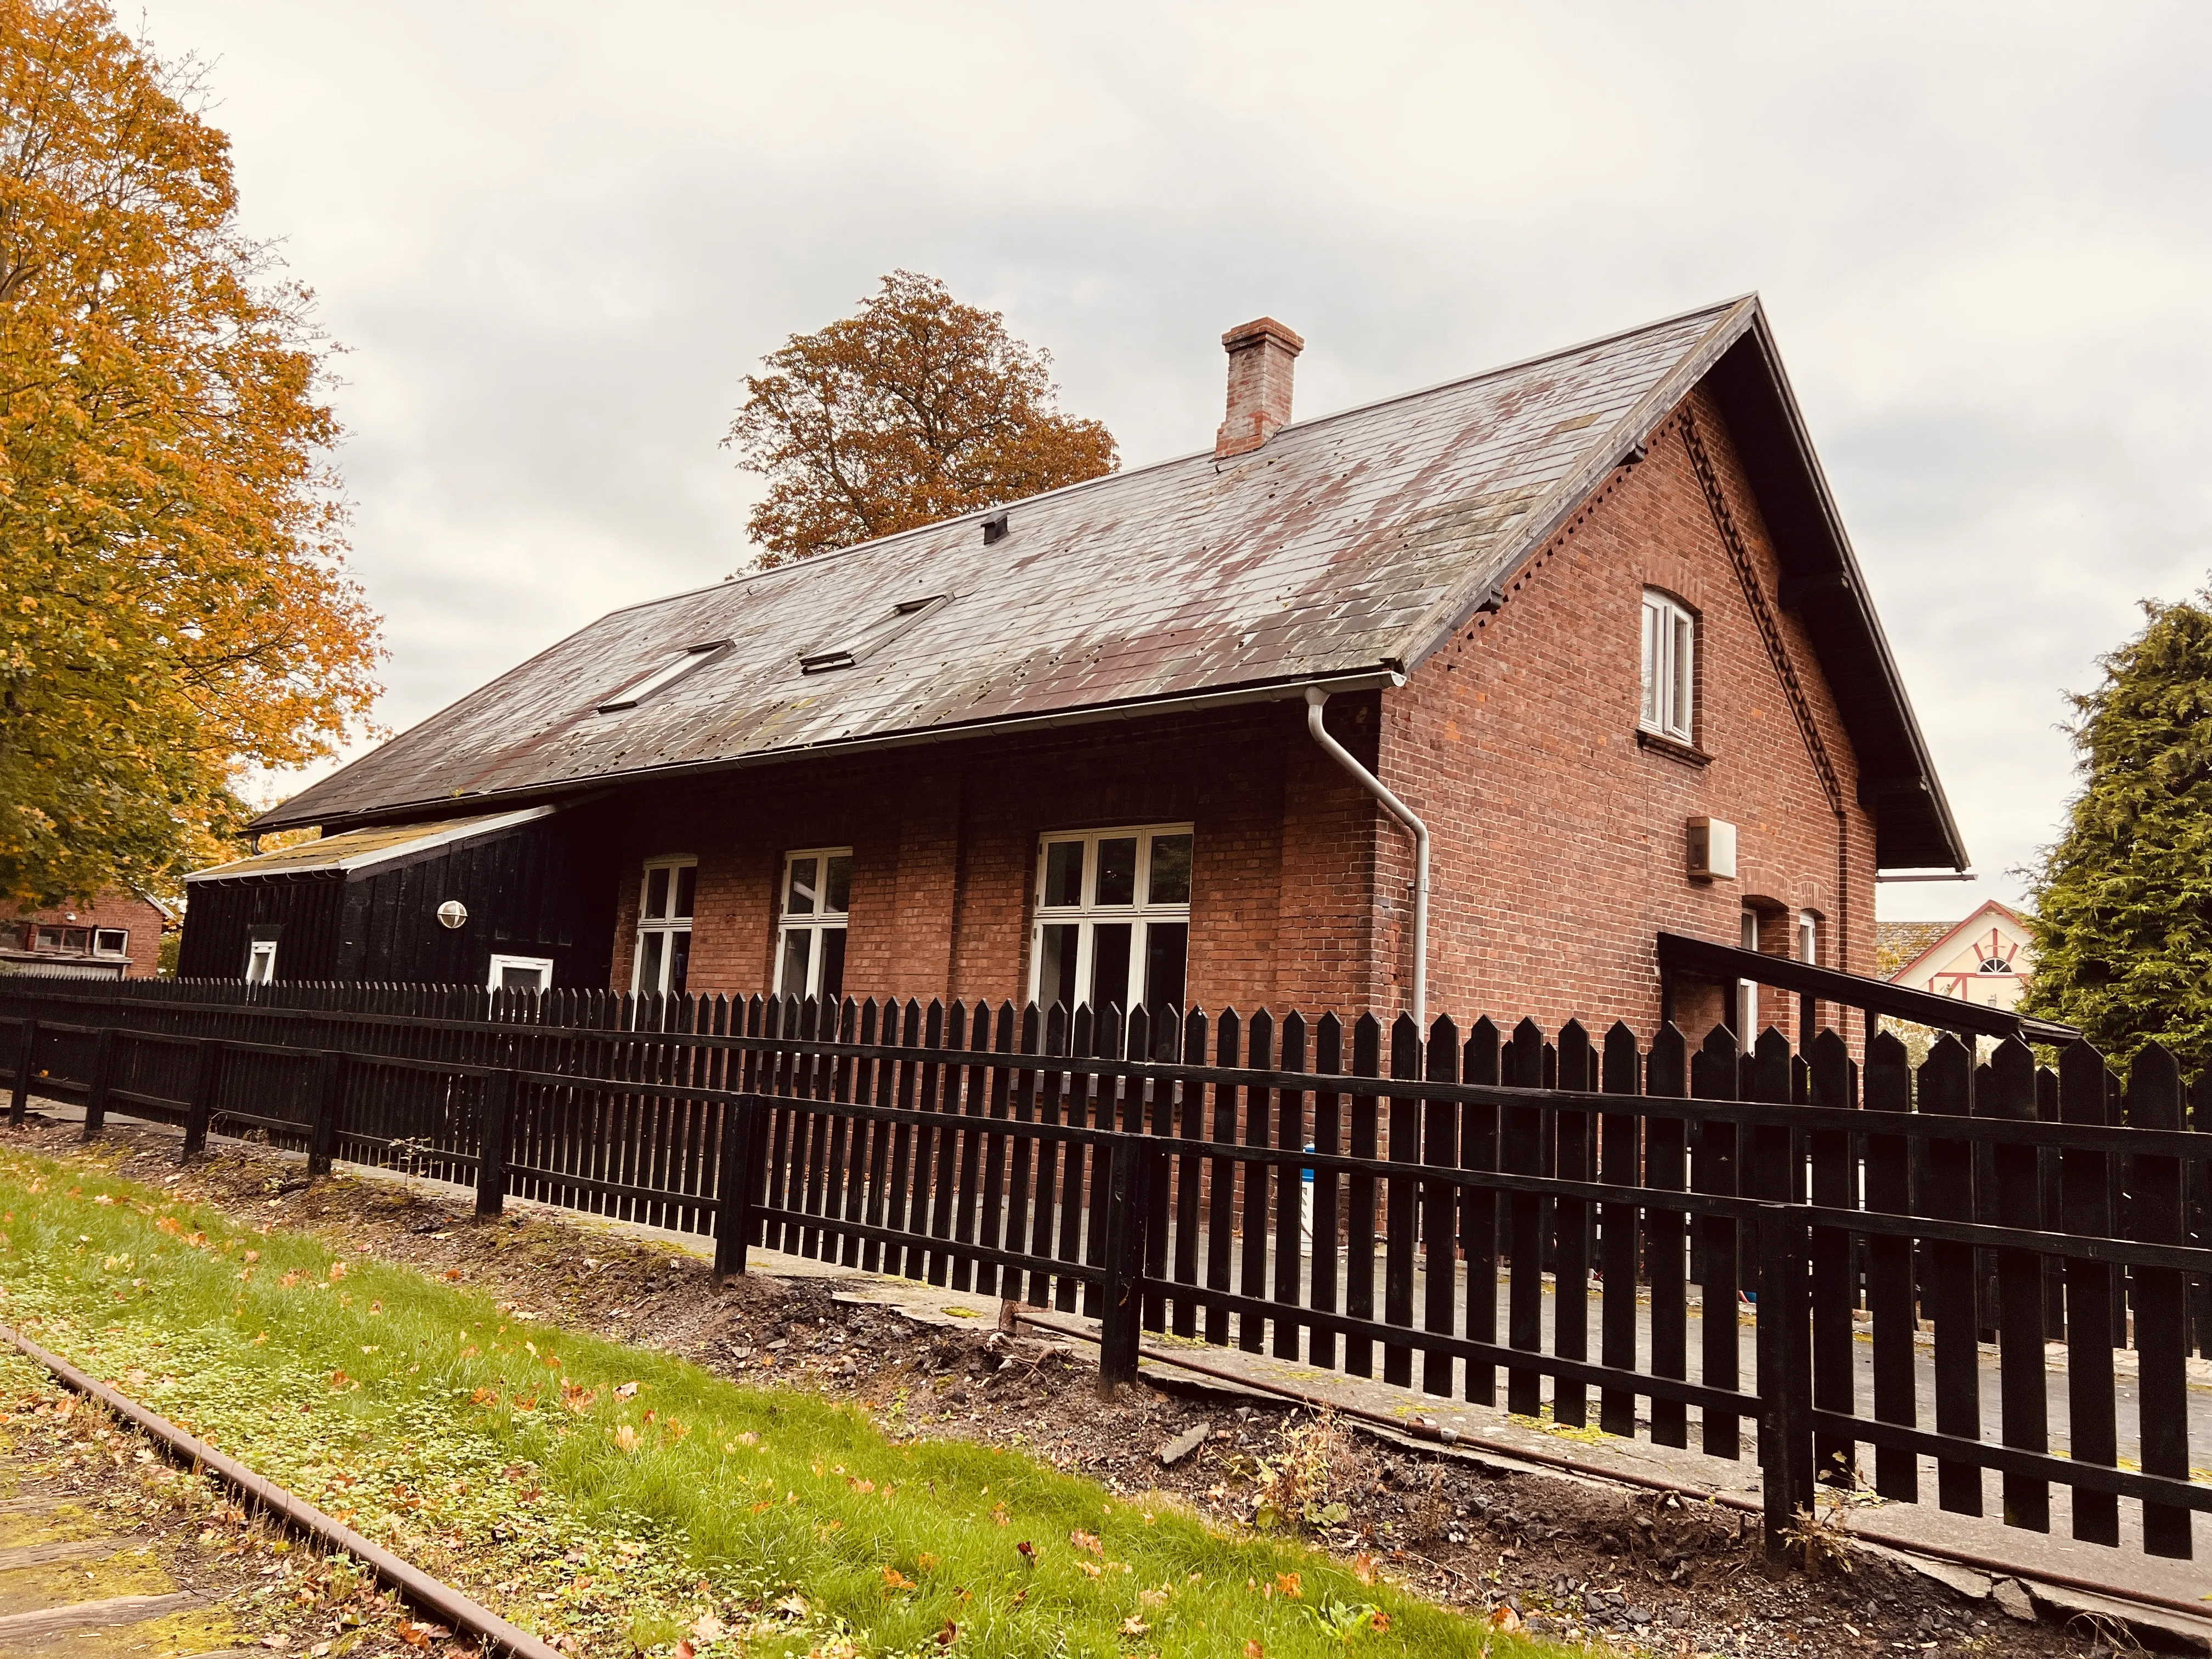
(734, 1181)
(95, 1097)
(27, 1054)
(323, 1127)
(206, 1080)
(502, 1090)
(1128, 1207)
(1785, 1376)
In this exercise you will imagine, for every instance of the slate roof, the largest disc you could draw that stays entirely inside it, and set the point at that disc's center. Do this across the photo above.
(1343, 550)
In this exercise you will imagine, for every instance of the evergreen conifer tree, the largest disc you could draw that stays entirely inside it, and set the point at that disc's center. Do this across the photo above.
(2124, 900)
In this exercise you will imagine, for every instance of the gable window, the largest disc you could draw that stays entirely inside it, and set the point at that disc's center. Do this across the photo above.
(521, 973)
(664, 926)
(692, 657)
(261, 962)
(817, 901)
(1670, 644)
(1113, 918)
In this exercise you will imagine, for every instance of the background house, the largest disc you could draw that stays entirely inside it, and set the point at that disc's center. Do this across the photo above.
(1987, 958)
(117, 935)
(1590, 619)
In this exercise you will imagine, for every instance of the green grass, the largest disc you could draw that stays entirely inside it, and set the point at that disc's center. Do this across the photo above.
(522, 1462)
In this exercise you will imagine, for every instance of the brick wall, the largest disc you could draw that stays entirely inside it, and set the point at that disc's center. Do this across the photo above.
(1559, 839)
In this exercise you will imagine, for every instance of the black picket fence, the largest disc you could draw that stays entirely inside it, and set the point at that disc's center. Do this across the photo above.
(1433, 1207)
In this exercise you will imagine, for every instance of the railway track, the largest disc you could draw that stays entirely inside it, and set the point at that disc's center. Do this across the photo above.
(460, 1612)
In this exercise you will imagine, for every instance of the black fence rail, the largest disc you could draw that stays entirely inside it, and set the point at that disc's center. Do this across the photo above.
(1793, 1255)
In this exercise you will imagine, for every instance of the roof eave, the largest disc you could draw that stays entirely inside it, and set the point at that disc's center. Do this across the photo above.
(1385, 673)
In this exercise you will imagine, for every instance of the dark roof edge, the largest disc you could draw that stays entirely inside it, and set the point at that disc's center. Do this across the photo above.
(1382, 675)
(1863, 610)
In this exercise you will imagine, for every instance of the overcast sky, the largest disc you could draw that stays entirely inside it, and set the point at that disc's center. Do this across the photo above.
(553, 239)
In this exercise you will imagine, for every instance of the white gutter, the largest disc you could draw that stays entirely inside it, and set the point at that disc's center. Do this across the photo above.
(1315, 697)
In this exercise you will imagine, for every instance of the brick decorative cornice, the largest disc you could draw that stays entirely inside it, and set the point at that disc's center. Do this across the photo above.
(1762, 608)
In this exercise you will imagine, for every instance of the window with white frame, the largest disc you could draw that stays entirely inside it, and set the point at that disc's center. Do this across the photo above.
(521, 973)
(815, 904)
(1808, 937)
(1670, 650)
(1113, 918)
(261, 962)
(111, 942)
(664, 926)
(1747, 990)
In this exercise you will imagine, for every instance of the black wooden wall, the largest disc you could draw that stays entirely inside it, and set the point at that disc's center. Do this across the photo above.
(544, 889)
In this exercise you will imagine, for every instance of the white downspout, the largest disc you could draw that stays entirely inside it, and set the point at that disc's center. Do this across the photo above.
(1315, 697)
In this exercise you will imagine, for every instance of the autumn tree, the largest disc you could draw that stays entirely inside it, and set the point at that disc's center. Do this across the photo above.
(2123, 899)
(173, 606)
(915, 409)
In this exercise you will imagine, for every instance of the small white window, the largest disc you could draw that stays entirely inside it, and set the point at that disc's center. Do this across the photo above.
(1670, 646)
(1113, 918)
(813, 913)
(692, 657)
(664, 926)
(1809, 938)
(261, 962)
(521, 973)
(111, 942)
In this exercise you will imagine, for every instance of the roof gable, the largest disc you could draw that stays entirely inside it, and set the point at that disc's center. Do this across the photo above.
(1343, 550)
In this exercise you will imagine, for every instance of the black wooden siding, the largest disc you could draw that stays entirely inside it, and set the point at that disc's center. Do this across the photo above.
(544, 889)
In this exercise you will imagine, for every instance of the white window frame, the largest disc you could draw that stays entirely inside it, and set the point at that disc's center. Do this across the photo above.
(815, 923)
(1668, 709)
(122, 949)
(1808, 937)
(542, 965)
(261, 953)
(664, 926)
(1747, 990)
(1087, 915)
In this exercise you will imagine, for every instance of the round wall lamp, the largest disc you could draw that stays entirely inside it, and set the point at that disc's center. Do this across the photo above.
(452, 913)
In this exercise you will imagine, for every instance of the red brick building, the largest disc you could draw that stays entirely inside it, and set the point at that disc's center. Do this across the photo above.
(119, 934)
(1591, 621)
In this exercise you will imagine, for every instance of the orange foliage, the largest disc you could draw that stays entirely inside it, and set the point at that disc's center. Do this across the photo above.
(916, 408)
(173, 607)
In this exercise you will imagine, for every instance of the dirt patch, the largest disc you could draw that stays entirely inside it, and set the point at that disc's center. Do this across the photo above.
(1556, 1556)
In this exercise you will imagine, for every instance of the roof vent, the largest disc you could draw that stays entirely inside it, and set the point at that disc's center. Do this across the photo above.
(994, 530)
(1261, 354)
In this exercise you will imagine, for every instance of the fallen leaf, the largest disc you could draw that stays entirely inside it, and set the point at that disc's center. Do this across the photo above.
(337, 1269)
(484, 1397)
(626, 1437)
(898, 1580)
(1028, 1551)
(1134, 1625)
(1287, 1582)
(945, 1637)
(709, 1628)
(1363, 1567)
(999, 1513)
(1088, 1541)
(1090, 1567)
(626, 1391)
(1381, 1621)
(1253, 1650)
(1502, 1617)
(685, 1650)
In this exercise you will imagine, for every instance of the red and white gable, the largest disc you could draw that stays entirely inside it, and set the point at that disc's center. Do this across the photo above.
(1989, 958)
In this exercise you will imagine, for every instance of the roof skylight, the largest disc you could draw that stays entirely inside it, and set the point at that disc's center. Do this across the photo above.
(869, 637)
(692, 657)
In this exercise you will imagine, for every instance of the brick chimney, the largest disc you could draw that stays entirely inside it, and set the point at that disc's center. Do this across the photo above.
(1262, 354)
